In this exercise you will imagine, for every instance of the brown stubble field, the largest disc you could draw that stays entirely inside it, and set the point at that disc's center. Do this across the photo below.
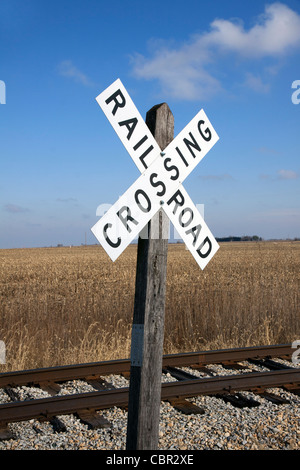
(72, 304)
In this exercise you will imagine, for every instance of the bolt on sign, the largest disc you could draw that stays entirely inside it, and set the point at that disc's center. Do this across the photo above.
(160, 184)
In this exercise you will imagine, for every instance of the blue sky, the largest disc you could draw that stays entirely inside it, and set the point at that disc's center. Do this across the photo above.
(61, 159)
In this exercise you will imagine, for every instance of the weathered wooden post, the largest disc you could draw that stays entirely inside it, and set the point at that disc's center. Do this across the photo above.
(149, 311)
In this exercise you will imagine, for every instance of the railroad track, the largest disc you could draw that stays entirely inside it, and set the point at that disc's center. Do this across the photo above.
(185, 384)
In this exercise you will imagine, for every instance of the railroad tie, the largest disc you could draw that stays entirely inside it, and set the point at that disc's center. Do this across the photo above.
(13, 394)
(99, 383)
(292, 388)
(5, 432)
(276, 399)
(269, 364)
(238, 400)
(93, 419)
(56, 423)
(179, 374)
(186, 407)
(233, 365)
(203, 369)
(180, 404)
(50, 387)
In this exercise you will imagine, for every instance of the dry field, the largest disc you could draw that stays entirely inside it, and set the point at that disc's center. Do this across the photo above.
(72, 304)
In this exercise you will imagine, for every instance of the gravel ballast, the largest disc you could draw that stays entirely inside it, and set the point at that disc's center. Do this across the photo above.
(223, 426)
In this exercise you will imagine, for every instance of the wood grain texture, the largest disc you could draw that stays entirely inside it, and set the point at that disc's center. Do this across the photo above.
(149, 312)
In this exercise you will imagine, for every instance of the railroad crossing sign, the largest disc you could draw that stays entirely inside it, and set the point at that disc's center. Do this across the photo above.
(160, 183)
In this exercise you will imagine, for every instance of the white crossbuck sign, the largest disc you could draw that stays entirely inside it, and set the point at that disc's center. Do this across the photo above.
(160, 184)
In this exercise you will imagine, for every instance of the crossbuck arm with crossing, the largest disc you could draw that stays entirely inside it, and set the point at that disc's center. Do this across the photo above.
(160, 183)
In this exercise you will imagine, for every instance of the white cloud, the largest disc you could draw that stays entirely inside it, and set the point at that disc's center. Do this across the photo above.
(255, 83)
(179, 74)
(281, 175)
(268, 151)
(15, 209)
(184, 72)
(277, 30)
(67, 69)
(68, 199)
(287, 175)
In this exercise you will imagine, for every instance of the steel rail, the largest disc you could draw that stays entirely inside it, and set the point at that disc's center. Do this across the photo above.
(46, 408)
(96, 369)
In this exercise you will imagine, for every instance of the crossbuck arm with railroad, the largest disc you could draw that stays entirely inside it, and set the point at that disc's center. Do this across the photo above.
(160, 183)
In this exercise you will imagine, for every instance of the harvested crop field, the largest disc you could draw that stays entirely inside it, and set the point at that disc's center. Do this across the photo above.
(72, 304)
